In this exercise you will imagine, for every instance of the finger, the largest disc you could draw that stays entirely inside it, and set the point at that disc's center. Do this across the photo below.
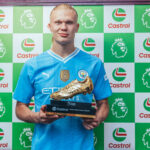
(52, 116)
(90, 121)
(94, 124)
(88, 127)
(43, 108)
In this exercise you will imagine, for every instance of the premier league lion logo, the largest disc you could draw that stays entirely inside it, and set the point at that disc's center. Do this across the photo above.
(146, 78)
(2, 108)
(119, 108)
(28, 19)
(2, 49)
(146, 138)
(88, 19)
(26, 137)
(119, 49)
(146, 18)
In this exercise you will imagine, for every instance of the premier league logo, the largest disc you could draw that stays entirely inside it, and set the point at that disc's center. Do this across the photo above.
(146, 138)
(27, 19)
(2, 108)
(146, 78)
(26, 137)
(2, 49)
(119, 49)
(146, 18)
(88, 19)
(119, 108)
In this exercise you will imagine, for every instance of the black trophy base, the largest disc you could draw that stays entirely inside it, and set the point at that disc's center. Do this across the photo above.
(68, 108)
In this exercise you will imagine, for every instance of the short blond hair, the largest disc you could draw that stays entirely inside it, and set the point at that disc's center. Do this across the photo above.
(65, 6)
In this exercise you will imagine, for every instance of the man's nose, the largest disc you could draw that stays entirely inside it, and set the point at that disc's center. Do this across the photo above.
(64, 26)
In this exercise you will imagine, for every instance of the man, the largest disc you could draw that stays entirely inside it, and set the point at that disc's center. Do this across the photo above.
(44, 74)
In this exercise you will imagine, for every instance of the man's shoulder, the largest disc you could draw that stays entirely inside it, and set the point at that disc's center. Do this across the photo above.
(87, 56)
(38, 59)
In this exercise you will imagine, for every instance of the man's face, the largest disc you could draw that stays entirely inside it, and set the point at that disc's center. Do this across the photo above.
(63, 25)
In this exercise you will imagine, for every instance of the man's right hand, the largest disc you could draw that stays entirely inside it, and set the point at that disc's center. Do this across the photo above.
(24, 113)
(45, 119)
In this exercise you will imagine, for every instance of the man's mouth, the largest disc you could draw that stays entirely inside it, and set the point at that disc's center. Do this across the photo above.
(63, 34)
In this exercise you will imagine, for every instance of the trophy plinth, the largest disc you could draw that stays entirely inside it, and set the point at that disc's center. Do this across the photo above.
(69, 108)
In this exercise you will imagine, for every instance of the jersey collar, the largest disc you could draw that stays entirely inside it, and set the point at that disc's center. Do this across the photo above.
(66, 59)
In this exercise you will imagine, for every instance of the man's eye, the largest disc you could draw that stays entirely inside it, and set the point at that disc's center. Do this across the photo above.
(58, 22)
(69, 22)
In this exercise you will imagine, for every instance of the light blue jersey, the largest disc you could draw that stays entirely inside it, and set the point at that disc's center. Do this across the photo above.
(45, 74)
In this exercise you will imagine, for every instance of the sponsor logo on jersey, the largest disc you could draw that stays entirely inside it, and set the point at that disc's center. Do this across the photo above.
(2, 49)
(119, 49)
(146, 78)
(119, 15)
(88, 19)
(26, 137)
(146, 139)
(119, 74)
(45, 74)
(82, 74)
(119, 135)
(51, 90)
(146, 18)
(2, 108)
(27, 19)
(27, 46)
(88, 44)
(119, 108)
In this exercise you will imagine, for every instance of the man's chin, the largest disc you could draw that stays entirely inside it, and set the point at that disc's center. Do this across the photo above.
(64, 42)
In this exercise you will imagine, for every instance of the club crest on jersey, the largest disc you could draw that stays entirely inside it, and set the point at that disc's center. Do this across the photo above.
(64, 75)
(82, 74)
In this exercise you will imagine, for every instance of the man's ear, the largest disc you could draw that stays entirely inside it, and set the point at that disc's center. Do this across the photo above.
(77, 28)
(49, 26)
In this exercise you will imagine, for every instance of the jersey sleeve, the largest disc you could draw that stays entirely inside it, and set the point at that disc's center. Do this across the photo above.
(102, 87)
(24, 89)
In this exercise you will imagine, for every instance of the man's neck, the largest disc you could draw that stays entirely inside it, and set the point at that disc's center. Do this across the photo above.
(63, 50)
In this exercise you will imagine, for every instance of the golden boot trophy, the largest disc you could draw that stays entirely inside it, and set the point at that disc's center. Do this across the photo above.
(70, 108)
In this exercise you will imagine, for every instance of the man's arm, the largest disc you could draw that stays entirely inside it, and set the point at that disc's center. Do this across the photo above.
(101, 115)
(24, 113)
